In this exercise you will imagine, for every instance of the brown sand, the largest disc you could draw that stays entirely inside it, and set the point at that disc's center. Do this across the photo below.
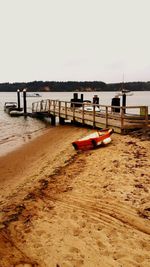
(62, 208)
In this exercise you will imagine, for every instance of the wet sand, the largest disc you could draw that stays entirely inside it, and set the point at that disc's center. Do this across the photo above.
(63, 208)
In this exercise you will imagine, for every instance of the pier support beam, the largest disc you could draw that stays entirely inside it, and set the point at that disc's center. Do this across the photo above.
(18, 98)
(61, 120)
(53, 120)
(124, 102)
(24, 101)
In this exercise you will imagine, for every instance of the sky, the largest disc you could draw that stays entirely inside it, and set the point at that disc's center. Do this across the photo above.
(74, 40)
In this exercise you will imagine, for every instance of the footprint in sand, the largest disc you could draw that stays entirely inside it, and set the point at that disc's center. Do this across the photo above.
(77, 231)
(74, 250)
(140, 258)
(101, 245)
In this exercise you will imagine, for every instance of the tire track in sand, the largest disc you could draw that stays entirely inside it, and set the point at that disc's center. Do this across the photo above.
(107, 212)
(58, 189)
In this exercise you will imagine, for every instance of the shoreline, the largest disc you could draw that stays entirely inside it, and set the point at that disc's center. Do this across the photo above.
(74, 208)
(32, 159)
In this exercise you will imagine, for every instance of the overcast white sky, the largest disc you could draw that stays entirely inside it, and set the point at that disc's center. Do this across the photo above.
(74, 40)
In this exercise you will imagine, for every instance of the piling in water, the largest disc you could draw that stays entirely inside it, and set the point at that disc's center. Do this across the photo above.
(18, 98)
(24, 101)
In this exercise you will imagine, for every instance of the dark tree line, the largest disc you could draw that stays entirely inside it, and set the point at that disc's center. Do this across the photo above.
(71, 86)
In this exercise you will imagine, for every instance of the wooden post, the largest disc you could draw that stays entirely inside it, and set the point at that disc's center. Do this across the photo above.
(24, 101)
(82, 113)
(66, 110)
(46, 105)
(59, 108)
(122, 118)
(82, 98)
(32, 107)
(124, 102)
(18, 98)
(106, 116)
(94, 116)
(41, 105)
(53, 120)
(146, 116)
(54, 106)
(73, 112)
(38, 108)
(61, 120)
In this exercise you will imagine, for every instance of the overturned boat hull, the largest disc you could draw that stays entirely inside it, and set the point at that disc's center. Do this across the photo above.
(93, 140)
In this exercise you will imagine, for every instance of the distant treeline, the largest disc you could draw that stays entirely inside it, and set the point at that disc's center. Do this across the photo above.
(70, 86)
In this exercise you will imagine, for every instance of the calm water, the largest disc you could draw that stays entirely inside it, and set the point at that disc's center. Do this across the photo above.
(16, 131)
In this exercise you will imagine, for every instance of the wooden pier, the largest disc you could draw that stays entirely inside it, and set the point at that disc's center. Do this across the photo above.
(125, 119)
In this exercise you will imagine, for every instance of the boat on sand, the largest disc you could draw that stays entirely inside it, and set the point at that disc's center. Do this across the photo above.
(93, 140)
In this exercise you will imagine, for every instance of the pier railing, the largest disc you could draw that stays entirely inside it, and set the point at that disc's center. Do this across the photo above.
(96, 115)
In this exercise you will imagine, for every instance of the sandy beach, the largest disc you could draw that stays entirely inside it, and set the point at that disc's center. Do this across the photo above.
(64, 208)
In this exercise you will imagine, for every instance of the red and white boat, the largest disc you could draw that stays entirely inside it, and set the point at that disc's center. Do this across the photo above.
(93, 140)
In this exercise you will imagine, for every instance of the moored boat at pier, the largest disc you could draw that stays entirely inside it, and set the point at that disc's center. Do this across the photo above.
(33, 94)
(16, 112)
(9, 106)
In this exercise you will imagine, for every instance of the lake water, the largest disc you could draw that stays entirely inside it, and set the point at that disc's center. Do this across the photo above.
(16, 131)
